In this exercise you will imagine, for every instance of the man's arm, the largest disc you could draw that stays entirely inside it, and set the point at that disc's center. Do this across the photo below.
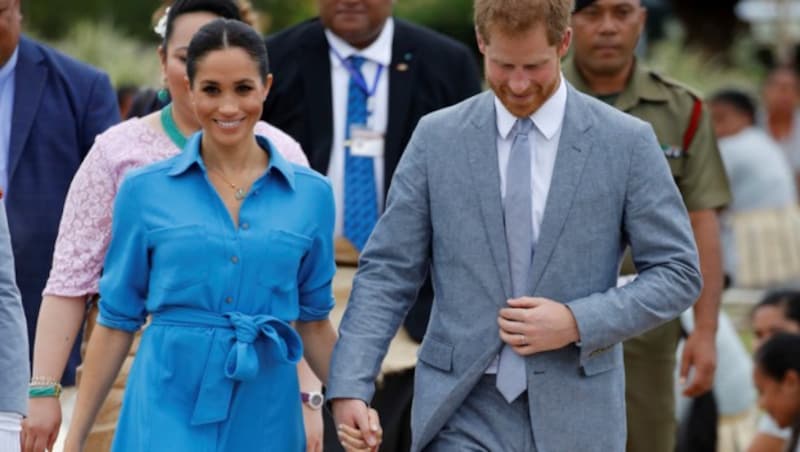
(699, 351)
(14, 346)
(392, 267)
(662, 244)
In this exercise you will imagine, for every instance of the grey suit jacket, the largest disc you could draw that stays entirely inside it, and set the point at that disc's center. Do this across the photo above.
(14, 374)
(611, 187)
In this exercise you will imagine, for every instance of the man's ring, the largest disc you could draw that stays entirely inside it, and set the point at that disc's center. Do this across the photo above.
(522, 339)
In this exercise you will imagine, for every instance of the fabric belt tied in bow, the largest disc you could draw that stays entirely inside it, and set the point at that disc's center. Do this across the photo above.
(226, 363)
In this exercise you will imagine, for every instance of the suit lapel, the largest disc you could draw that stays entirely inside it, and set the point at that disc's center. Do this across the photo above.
(573, 150)
(315, 65)
(29, 80)
(402, 72)
(481, 144)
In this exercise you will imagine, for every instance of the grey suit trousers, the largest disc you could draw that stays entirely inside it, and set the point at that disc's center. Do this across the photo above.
(486, 422)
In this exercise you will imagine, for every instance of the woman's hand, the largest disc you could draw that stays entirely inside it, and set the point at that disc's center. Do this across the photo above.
(40, 428)
(72, 444)
(312, 420)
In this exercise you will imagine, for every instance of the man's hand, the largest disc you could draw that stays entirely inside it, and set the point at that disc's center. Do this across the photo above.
(358, 426)
(700, 353)
(532, 325)
(312, 420)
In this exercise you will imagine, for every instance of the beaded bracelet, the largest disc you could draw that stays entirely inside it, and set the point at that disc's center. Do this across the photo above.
(43, 381)
(36, 391)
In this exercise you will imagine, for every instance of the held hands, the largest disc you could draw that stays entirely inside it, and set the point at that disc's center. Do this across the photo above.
(532, 325)
(358, 426)
(40, 428)
(700, 354)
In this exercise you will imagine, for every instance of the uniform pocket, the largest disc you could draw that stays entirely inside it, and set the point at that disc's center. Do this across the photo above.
(178, 256)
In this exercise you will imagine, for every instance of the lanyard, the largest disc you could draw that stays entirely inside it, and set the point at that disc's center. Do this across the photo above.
(358, 77)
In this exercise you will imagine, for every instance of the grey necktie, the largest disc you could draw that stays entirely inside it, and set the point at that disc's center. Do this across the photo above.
(511, 378)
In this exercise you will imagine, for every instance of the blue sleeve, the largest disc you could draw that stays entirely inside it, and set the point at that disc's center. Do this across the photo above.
(101, 111)
(14, 375)
(123, 287)
(318, 266)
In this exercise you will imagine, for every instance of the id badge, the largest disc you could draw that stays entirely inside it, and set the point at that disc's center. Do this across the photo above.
(365, 142)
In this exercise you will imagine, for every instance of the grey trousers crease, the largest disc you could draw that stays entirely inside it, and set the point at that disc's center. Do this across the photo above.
(486, 422)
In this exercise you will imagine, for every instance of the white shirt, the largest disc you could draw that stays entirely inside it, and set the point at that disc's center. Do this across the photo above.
(378, 54)
(546, 134)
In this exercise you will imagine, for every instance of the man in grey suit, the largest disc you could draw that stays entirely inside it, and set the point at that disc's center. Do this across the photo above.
(520, 201)
(13, 346)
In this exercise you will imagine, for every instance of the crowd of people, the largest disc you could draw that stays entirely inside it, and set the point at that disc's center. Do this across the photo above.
(508, 270)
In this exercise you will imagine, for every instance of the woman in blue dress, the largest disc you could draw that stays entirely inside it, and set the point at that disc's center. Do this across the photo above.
(225, 246)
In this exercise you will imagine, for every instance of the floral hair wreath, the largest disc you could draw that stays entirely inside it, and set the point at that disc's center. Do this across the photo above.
(161, 26)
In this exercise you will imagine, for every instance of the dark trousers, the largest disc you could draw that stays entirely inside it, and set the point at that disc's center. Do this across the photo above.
(393, 402)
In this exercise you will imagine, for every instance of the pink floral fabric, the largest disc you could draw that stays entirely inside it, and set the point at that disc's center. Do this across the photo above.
(85, 229)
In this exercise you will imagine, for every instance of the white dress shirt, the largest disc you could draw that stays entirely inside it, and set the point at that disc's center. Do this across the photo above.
(546, 134)
(378, 54)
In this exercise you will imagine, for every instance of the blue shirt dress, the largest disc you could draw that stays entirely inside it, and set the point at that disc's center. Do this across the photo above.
(216, 367)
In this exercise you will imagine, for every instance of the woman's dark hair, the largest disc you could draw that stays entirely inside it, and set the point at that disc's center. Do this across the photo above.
(787, 300)
(223, 8)
(779, 355)
(223, 34)
(737, 99)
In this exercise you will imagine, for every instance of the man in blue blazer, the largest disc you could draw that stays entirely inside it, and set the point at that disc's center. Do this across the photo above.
(51, 109)
(521, 200)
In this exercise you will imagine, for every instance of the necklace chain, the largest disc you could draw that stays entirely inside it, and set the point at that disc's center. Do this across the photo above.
(238, 192)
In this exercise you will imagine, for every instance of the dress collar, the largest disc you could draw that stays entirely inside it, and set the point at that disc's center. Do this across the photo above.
(191, 156)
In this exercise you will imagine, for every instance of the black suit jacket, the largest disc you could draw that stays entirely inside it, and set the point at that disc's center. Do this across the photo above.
(429, 71)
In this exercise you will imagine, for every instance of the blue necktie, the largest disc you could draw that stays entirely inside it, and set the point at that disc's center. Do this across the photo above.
(517, 207)
(360, 197)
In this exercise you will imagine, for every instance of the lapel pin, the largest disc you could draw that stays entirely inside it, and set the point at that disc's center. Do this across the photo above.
(402, 67)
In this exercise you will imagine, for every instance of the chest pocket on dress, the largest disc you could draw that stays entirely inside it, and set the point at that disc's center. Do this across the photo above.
(284, 252)
(178, 256)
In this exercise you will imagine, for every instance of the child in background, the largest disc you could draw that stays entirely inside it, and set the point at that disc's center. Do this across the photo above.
(777, 377)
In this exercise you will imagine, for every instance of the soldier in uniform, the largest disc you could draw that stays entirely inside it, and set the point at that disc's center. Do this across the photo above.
(603, 64)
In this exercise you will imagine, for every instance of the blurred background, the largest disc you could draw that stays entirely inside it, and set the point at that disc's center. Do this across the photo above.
(706, 44)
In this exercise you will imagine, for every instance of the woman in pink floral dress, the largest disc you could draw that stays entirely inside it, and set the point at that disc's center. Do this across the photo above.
(85, 228)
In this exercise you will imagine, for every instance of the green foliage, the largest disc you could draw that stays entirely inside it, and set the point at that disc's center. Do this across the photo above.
(703, 72)
(126, 60)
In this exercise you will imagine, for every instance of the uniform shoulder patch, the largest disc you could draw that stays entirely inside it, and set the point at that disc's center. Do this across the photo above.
(672, 83)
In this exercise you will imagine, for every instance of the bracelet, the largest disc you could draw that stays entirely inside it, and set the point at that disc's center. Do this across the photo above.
(36, 391)
(44, 381)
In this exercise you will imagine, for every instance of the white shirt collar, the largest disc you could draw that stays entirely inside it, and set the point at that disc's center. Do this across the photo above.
(548, 118)
(379, 51)
(11, 64)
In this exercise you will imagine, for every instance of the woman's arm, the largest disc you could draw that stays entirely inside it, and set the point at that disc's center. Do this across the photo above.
(104, 356)
(60, 319)
(318, 340)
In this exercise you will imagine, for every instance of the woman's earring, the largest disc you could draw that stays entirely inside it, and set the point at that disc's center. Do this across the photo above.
(163, 95)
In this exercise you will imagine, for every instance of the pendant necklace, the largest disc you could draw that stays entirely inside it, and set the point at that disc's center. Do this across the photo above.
(171, 128)
(238, 192)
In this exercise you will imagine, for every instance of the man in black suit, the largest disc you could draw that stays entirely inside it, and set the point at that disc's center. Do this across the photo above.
(356, 52)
